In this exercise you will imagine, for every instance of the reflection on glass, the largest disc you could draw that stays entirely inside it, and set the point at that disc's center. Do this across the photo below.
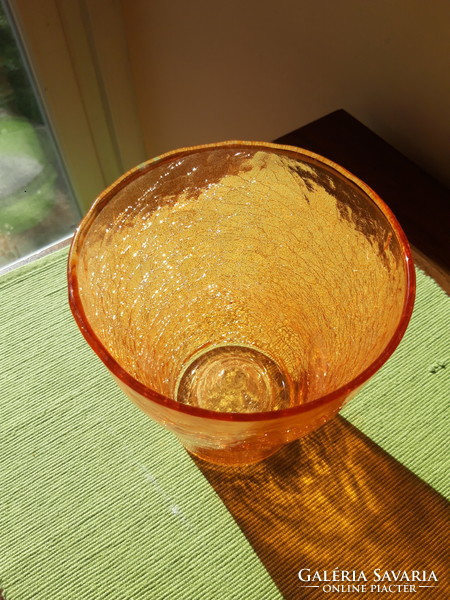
(36, 203)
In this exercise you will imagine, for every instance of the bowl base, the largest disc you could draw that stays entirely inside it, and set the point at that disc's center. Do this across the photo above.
(232, 378)
(237, 456)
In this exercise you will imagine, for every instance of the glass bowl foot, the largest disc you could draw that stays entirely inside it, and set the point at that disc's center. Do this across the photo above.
(240, 455)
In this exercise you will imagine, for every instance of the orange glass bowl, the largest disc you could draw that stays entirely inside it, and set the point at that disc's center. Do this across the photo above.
(241, 292)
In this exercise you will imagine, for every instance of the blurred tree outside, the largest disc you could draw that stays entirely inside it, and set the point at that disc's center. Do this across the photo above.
(16, 94)
(36, 207)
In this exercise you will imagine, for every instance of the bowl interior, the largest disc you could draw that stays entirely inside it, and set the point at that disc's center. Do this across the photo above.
(264, 249)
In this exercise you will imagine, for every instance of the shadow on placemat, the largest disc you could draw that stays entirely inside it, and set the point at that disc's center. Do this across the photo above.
(335, 500)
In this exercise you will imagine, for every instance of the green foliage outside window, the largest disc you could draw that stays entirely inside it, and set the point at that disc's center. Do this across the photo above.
(16, 93)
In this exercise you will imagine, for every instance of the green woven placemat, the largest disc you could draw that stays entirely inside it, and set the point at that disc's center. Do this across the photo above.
(97, 501)
(405, 407)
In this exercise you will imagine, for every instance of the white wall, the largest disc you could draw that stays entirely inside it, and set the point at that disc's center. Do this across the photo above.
(252, 69)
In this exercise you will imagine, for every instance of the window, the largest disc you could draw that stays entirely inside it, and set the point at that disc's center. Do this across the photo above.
(68, 124)
(37, 206)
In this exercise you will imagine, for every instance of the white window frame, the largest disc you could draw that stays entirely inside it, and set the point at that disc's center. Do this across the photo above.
(78, 54)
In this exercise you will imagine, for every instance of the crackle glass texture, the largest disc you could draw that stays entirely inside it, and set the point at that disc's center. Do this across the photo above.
(247, 247)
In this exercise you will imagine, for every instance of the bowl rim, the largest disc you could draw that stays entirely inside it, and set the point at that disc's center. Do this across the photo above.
(154, 396)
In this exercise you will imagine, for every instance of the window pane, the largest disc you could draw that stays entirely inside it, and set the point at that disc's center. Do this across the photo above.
(37, 206)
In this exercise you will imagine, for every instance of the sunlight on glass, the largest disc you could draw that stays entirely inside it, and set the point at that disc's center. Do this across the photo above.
(37, 207)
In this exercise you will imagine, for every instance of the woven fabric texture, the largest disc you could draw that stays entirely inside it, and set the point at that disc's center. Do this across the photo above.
(405, 407)
(96, 500)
